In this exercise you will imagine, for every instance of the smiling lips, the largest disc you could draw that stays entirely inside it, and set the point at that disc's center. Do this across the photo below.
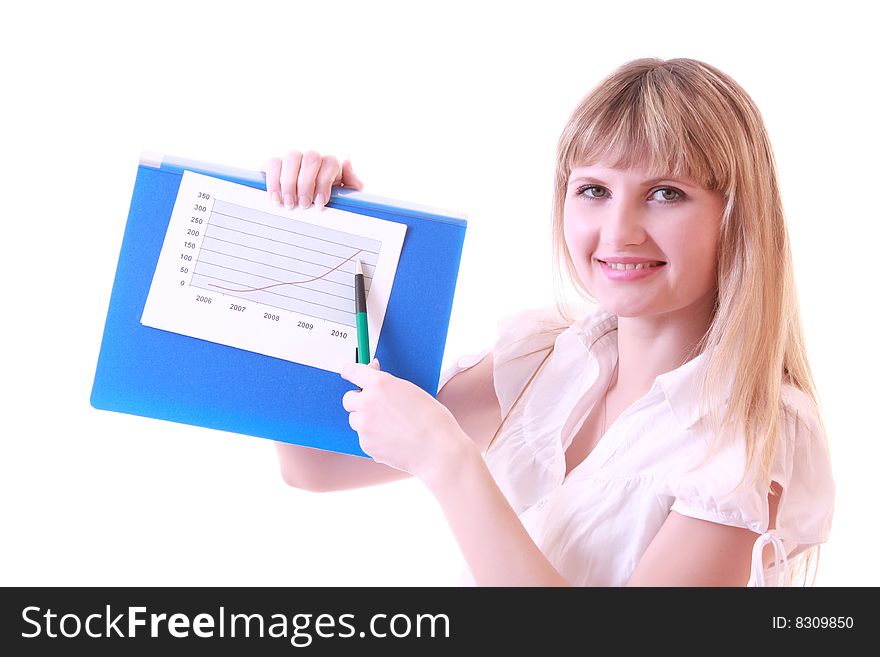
(628, 268)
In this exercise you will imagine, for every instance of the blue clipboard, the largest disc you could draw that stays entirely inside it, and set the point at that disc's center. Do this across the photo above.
(154, 373)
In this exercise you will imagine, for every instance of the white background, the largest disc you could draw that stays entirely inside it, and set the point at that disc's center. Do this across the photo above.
(456, 105)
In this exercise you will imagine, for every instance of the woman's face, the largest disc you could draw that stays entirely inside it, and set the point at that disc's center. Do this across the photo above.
(642, 247)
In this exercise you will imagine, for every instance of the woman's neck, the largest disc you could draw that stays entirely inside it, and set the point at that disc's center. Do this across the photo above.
(650, 346)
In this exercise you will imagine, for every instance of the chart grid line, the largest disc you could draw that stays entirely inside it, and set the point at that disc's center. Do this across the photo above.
(248, 298)
(281, 255)
(291, 271)
(275, 280)
(284, 230)
(299, 246)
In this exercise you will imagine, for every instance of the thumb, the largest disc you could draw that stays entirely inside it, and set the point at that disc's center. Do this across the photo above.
(349, 178)
(375, 364)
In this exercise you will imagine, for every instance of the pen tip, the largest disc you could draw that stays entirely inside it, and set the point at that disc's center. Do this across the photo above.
(359, 268)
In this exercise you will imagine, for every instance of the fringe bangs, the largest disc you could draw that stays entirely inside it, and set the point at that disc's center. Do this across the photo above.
(653, 121)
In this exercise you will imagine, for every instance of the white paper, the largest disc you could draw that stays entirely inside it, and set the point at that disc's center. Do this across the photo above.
(237, 270)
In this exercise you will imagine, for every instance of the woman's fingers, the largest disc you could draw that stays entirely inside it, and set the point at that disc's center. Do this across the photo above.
(290, 170)
(328, 174)
(305, 178)
(308, 173)
(273, 179)
(349, 179)
(349, 400)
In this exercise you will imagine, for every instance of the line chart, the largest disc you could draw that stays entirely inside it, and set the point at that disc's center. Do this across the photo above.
(281, 262)
(237, 271)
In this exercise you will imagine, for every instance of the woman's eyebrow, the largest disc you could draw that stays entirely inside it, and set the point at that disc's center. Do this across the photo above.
(645, 183)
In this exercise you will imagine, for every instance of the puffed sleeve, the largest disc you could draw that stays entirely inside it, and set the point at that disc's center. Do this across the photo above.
(524, 339)
(461, 364)
(802, 467)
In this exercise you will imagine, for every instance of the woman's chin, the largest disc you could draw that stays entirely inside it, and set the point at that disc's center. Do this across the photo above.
(627, 308)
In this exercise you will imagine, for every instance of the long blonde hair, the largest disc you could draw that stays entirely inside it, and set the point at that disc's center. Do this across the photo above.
(682, 117)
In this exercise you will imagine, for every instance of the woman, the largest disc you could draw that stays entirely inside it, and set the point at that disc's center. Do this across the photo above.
(669, 435)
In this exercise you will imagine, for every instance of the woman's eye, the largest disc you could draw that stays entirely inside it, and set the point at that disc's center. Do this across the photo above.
(667, 195)
(592, 191)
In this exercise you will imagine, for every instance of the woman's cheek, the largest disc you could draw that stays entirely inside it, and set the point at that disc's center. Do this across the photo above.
(577, 243)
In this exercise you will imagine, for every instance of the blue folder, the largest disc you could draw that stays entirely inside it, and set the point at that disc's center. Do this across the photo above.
(159, 374)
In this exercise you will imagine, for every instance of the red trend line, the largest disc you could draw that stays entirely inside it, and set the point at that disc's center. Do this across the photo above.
(308, 280)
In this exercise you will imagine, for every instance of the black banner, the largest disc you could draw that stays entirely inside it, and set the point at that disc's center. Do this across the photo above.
(97, 621)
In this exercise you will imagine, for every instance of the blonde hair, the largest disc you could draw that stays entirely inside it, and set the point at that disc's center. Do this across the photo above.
(682, 117)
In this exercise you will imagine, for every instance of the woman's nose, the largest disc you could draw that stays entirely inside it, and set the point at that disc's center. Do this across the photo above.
(623, 226)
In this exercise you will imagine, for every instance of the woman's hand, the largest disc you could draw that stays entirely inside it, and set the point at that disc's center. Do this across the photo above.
(303, 178)
(401, 425)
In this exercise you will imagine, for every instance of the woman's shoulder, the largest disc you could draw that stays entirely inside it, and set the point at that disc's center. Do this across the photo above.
(804, 445)
(524, 340)
(803, 467)
(528, 321)
(537, 327)
(717, 490)
(799, 408)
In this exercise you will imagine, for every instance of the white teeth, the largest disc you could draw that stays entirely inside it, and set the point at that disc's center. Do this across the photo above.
(641, 265)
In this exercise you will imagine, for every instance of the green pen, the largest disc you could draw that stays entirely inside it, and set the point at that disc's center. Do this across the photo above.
(360, 302)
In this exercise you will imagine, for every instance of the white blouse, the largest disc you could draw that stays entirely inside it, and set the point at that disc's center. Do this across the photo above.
(594, 524)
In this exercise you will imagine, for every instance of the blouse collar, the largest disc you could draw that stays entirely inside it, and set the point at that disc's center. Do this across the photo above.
(681, 387)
